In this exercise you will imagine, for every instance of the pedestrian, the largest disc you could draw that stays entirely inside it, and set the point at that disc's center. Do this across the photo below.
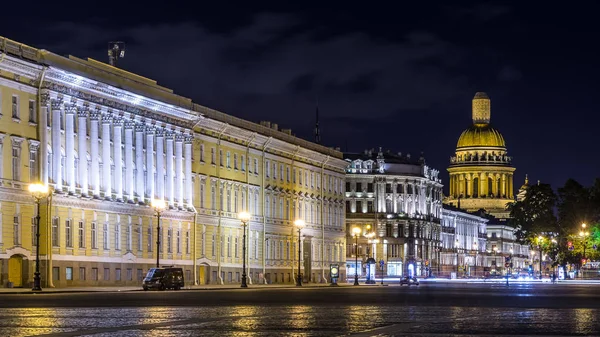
(553, 278)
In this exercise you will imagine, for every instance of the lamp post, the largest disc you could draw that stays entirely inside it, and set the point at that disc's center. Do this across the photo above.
(495, 249)
(159, 206)
(540, 240)
(299, 223)
(38, 191)
(244, 217)
(584, 235)
(356, 231)
(475, 248)
(456, 244)
(438, 258)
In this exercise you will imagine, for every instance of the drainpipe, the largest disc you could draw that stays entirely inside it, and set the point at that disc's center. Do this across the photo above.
(323, 279)
(294, 216)
(264, 216)
(218, 164)
(248, 203)
(194, 248)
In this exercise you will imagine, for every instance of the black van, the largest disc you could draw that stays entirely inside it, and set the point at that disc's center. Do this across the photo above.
(164, 278)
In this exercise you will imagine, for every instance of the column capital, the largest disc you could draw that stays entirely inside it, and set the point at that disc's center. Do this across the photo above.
(140, 127)
(169, 135)
(188, 139)
(106, 118)
(160, 133)
(117, 121)
(129, 124)
(70, 109)
(57, 104)
(45, 99)
(150, 130)
(83, 112)
(179, 137)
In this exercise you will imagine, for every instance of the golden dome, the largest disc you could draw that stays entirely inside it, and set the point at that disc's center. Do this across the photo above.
(480, 136)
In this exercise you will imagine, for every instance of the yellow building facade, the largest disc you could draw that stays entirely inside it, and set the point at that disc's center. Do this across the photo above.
(108, 142)
(481, 173)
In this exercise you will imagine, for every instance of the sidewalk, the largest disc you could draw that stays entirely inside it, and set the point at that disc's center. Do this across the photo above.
(139, 288)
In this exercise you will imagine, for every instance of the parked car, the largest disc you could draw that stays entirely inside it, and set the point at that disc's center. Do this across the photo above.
(164, 278)
(409, 281)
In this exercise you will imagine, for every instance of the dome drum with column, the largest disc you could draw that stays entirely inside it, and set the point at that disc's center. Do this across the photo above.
(481, 174)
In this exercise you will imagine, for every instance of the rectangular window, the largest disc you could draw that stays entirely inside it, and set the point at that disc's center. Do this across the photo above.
(140, 275)
(235, 201)
(55, 241)
(94, 274)
(228, 159)
(129, 238)
(129, 274)
(221, 158)
(178, 241)
(150, 243)
(118, 274)
(235, 248)
(268, 167)
(55, 273)
(139, 230)
(33, 232)
(228, 246)
(68, 233)
(81, 234)
(69, 273)
(228, 200)
(15, 107)
(281, 172)
(105, 237)
(16, 163)
(33, 167)
(213, 246)
(106, 274)
(287, 174)
(94, 235)
(32, 114)
(212, 155)
(235, 166)
(169, 240)
(16, 230)
(118, 236)
(243, 163)
(275, 171)
(202, 153)
(187, 242)
(82, 273)
(255, 166)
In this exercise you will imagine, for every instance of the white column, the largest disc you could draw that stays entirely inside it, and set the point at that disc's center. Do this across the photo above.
(82, 149)
(56, 153)
(117, 154)
(43, 134)
(149, 163)
(188, 172)
(70, 147)
(179, 170)
(106, 176)
(94, 153)
(160, 168)
(129, 160)
(169, 158)
(139, 162)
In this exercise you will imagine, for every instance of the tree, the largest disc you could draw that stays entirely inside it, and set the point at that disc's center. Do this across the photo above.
(577, 205)
(534, 215)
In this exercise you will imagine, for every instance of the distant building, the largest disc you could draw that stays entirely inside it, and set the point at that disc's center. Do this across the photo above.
(502, 244)
(481, 173)
(396, 203)
(463, 247)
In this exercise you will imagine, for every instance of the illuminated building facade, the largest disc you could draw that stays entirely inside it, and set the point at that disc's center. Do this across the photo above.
(463, 247)
(108, 142)
(396, 202)
(481, 174)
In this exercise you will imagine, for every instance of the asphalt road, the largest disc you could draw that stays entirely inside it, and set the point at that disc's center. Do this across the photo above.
(427, 310)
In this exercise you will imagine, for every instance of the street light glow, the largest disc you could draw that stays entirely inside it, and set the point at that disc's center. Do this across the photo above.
(244, 216)
(299, 223)
(356, 231)
(158, 204)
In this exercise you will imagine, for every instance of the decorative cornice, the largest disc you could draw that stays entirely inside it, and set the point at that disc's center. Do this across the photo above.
(16, 141)
(33, 145)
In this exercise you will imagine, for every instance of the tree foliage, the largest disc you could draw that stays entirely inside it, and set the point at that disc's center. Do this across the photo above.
(534, 215)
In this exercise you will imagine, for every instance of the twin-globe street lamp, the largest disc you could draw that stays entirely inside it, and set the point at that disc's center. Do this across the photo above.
(299, 223)
(356, 232)
(476, 252)
(159, 206)
(38, 191)
(244, 217)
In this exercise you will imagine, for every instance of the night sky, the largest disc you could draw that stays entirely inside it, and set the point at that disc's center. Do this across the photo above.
(397, 77)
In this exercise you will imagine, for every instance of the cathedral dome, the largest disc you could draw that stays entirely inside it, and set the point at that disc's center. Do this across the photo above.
(483, 135)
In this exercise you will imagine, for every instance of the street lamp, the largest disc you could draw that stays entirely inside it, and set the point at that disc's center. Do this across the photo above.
(244, 218)
(540, 240)
(456, 243)
(38, 191)
(355, 232)
(159, 206)
(584, 235)
(475, 248)
(495, 249)
(299, 223)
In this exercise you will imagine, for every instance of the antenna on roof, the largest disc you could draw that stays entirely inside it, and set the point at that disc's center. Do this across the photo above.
(116, 50)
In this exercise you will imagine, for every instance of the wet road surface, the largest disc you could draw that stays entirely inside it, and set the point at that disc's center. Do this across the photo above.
(427, 310)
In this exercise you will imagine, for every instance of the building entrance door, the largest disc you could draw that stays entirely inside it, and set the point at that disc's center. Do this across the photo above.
(202, 275)
(15, 270)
